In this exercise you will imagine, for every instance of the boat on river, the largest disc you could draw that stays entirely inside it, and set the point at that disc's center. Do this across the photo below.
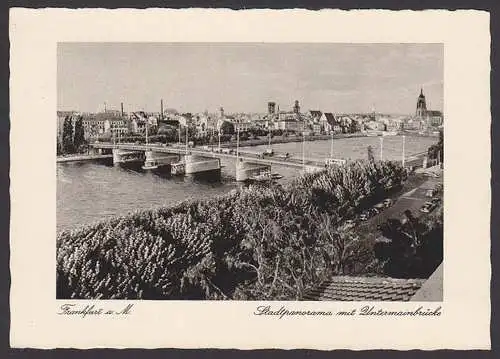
(178, 168)
(150, 165)
(265, 176)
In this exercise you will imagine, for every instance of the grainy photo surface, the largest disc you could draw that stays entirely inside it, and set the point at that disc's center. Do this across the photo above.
(250, 171)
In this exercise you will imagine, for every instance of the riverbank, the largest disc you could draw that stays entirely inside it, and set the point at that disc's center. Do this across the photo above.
(81, 157)
(288, 139)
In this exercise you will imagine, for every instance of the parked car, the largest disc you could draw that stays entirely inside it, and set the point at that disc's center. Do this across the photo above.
(428, 207)
(365, 215)
(430, 193)
(388, 202)
(435, 201)
(379, 206)
(374, 211)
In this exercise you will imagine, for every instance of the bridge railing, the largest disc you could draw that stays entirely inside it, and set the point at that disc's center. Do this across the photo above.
(295, 162)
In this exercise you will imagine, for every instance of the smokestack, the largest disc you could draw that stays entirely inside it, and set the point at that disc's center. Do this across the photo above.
(161, 109)
(121, 105)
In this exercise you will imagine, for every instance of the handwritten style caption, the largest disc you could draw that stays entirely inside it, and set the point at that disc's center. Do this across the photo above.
(93, 310)
(367, 310)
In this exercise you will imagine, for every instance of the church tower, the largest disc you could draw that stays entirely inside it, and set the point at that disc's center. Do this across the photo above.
(421, 106)
(296, 107)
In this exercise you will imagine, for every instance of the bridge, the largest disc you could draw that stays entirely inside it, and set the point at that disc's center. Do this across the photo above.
(242, 155)
(199, 160)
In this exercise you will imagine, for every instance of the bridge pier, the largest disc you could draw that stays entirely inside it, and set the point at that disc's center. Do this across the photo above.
(125, 156)
(153, 158)
(246, 170)
(200, 160)
(199, 164)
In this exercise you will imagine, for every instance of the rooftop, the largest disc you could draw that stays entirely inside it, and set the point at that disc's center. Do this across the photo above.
(330, 118)
(344, 288)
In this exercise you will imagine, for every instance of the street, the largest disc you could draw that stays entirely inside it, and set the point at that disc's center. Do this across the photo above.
(412, 200)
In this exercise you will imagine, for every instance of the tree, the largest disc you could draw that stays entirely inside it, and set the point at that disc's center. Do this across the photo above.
(191, 133)
(59, 146)
(371, 158)
(437, 150)
(79, 137)
(414, 249)
(169, 132)
(244, 136)
(352, 127)
(227, 128)
(441, 146)
(67, 138)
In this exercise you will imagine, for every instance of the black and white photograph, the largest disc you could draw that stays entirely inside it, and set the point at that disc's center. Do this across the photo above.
(250, 171)
(250, 179)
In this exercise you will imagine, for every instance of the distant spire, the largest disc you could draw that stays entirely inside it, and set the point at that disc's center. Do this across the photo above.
(421, 91)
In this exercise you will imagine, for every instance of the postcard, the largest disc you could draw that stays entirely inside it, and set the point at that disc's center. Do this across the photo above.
(210, 178)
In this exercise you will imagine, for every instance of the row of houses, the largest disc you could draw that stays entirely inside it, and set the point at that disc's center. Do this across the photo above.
(116, 123)
(109, 123)
(311, 121)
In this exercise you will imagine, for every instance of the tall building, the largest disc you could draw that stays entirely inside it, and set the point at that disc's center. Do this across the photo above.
(271, 108)
(373, 116)
(296, 107)
(421, 106)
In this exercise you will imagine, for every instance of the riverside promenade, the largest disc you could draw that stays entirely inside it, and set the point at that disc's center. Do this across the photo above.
(82, 157)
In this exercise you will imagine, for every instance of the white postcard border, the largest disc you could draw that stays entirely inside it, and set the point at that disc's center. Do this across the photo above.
(465, 319)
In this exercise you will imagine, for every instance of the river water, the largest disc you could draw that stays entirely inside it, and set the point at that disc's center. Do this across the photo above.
(91, 191)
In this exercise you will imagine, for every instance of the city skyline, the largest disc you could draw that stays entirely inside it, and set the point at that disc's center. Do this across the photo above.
(243, 77)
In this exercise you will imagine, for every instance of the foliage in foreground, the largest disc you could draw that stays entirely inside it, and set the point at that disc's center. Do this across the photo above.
(257, 243)
(415, 248)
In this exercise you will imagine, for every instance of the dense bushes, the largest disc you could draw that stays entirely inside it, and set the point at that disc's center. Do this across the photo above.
(415, 247)
(258, 243)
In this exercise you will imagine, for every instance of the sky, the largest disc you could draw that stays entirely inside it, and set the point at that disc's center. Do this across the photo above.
(243, 77)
